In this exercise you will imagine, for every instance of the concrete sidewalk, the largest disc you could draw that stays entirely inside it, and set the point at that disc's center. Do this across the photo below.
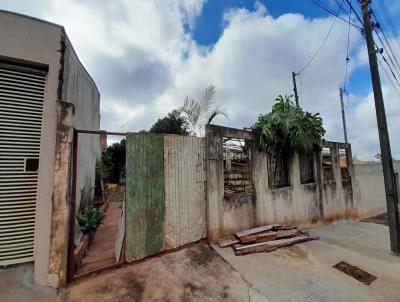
(304, 272)
(17, 285)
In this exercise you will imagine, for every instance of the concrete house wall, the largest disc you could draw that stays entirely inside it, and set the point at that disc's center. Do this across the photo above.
(72, 102)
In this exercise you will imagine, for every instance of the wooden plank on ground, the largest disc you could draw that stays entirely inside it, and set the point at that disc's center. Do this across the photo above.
(260, 237)
(269, 245)
(228, 241)
(262, 229)
(287, 233)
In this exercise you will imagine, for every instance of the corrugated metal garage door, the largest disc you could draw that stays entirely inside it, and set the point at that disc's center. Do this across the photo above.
(21, 107)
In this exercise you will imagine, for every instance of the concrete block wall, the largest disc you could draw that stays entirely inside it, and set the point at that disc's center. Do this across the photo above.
(323, 200)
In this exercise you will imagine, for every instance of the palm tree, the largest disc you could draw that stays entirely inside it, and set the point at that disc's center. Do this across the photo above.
(200, 113)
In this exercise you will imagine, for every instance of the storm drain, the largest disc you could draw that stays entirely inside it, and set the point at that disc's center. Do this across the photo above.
(355, 272)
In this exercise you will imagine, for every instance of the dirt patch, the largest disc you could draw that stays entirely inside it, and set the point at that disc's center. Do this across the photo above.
(355, 272)
(192, 290)
(297, 252)
(194, 274)
(201, 255)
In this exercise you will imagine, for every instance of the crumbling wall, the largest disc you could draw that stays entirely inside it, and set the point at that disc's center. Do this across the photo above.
(296, 203)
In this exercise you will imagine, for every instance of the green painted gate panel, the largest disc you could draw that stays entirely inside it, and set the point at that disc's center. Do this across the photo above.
(145, 196)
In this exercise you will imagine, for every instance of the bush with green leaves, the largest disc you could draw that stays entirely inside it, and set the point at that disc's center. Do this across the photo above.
(289, 129)
(90, 219)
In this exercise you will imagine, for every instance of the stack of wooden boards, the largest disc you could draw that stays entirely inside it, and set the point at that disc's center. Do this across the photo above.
(265, 239)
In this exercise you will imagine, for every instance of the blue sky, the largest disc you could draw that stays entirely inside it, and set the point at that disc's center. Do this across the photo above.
(210, 26)
(146, 56)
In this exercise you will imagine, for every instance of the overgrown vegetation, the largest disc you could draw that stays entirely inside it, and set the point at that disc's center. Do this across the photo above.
(89, 218)
(173, 123)
(288, 129)
(112, 162)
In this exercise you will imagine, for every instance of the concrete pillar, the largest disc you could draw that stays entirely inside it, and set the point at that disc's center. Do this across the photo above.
(215, 184)
(61, 195)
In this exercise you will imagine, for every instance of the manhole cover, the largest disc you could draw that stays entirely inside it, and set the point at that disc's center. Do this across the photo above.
(355, 272)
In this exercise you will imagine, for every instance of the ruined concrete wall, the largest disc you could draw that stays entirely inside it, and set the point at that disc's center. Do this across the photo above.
(297, 203)
(61, 196)
(369, 191)
(322, 200)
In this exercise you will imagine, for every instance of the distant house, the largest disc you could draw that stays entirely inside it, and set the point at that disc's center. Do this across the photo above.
(45, 92)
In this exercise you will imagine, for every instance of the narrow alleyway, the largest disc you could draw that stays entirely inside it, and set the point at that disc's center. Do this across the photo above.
(101, 252)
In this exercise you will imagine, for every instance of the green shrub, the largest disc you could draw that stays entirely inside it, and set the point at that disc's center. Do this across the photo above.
(90, 219)
(288, 129)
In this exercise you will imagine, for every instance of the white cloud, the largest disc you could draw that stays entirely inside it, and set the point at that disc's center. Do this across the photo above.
(145, 61)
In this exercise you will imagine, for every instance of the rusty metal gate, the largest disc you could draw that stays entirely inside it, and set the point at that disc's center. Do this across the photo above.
(165, 193)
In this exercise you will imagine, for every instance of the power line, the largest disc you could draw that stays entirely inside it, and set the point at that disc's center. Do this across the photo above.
(395, 88)
(390, 68)
(323, 42)
(355, 12)
(390, 51)
(328, 10)
(389, 20)
(347, 54)
(383, 57)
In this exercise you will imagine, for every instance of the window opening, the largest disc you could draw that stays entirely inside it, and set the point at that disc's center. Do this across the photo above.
(237, 166)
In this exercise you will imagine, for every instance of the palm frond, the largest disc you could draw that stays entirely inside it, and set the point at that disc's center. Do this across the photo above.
(200, 113)
(206, 103)
(191, 109)
(217, 111)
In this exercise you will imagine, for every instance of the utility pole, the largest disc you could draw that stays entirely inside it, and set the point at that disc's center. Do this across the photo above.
(387, 164)
(296, 96)
(343, 116)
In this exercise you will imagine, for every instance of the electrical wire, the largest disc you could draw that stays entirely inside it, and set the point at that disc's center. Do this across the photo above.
(328, 10)
(323, 42)
(355, 13)
(347, 54)
(390, 68)
(391, 54)
(383, 57)
(395, 88)
(389, 21)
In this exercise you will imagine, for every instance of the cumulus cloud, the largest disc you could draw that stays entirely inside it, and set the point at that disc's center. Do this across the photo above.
(144, 58)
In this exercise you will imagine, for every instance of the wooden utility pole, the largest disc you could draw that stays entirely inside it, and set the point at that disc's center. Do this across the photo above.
(343, 116)
(387, 163)
(296, 96)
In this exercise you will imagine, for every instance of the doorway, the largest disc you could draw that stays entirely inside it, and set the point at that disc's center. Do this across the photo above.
(97, 224)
